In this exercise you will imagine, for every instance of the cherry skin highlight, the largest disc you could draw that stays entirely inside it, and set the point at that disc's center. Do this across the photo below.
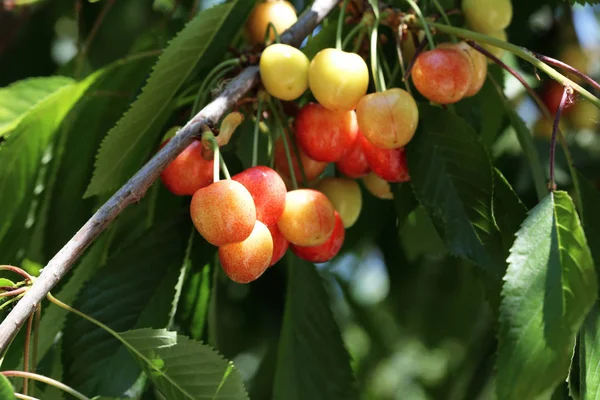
(245, 261)
(388, 119)
(442, 75)
(345, 195)
(478, 63)
(378, 187)
(325, 135)
(354, 164)
(280, 13)
(223, 212)
(326, 251)
(388, 164)
(268, 192)
(280, 244)
(312, 168)
(188, 172)
(308, 218)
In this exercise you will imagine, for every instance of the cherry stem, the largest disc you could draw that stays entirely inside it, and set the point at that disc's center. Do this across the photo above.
(26, 353)
(36, 340)
(559, 64)
(375, 67)
(563, 101)
(272, 28)
(46, 380)
(442, 12)
(340, 26)
(288, 155)
(88, 41)
(256, 130)
(15, 292)
(399, 38)
(213, 76)
(22, 396)
(16, 270)
(418, 52)
(358, 28)
(425, 25)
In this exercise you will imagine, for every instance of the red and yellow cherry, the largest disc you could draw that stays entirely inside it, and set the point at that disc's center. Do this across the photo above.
(327, 250)
(284, 71)
(442, 75)
(245, 261)
(280, 13)
(325, 135)
(478, 63)
(487, 16)
(308, 218)
(280, 244)
(354, 164)
(388, 119)
(338, 79)
(268, 192)
(313, 169)
(188, 172)
(223, 212)
(388, 164)
(345, 196)
(378, 187)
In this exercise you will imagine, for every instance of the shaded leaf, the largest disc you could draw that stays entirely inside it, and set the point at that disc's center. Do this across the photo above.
(589, 356)
(6, 390)
(312, 361)
(548, 289)
(130, 142)
(590, 216)
(181, 368)
(451, 174)
(509, 211)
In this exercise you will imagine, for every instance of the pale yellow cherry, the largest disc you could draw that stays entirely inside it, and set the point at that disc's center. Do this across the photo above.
(378, 187)
(284, 71)
(487, 16)
(345, 196)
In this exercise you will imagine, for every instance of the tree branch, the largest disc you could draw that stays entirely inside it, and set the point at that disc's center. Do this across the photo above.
(137, 186)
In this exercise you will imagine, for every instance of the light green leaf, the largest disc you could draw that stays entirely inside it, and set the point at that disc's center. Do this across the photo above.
(17, 99)
(197, 47)
(6, 390)
(451, 174)
(549, 287)
(589, 356)
(312, 362)
(6, 282)
(184, 369)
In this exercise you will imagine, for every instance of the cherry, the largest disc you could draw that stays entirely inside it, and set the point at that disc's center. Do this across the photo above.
(338, 79)
(388, 164)
(378, 187)
(487, 16)
(326, 251)
(284, 71)
(584, 115)
(325, 135)
(223, 212)
(308, 218)
(312, 168)
(345, 196)
(551, 95)
(268, 192)
(245, 261)
(280, 13)
(442, 75)
(188, 172)
(354, 164)
(280, 244)
(478, 63)
(388, 119)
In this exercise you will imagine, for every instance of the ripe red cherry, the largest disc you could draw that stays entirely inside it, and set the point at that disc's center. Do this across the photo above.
(326, 251)
(442, 75)
(388, 164)
(354, 164)
(308, 217)
(552, 95)
(223, 212)
(245, 261)
(268, 191)
(280, 244)
(188, 172)
(312, 168)
(325, 135)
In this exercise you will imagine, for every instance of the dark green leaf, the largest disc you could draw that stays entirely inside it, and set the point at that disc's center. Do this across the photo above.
(549, 287)
(451, 174)
(404, 202)
(196, 47)
(589, 356)
(590, 216)
(181, 368)
(509, 211)
(312, 360)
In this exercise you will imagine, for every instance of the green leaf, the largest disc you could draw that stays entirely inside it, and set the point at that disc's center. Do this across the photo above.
(6, 282)
(322, 40)
(18, 99)
(590, 216)
(134, 290)
(451, 174)
(589, 356)
(312, 361)
(404, 202)
(549, 287)
(6, 390)
(21, 156)
(509, 211)
(181, 368)
(203, 41)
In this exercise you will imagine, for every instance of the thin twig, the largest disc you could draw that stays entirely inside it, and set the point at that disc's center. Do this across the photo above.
(559, 64)
(26, 354)
(46, 380)
(137, 186)
(88, 41)
(563, 101)
(16, 270)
